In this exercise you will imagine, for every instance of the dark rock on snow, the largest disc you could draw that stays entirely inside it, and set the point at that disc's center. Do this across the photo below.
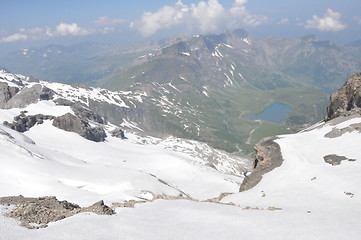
(119, 133)
(268, 156)
(334, 159)
(71, 123)
(24, 122)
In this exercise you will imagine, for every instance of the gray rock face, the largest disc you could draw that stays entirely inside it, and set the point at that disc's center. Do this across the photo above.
(268, 156)
(116, 114)
(12, 97)
(71, 123)
(87, 114)
(347, 100)
(6, 93)
(46, 94)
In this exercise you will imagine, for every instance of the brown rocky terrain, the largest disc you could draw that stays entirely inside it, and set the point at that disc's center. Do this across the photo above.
(38, 212)
(347, 100)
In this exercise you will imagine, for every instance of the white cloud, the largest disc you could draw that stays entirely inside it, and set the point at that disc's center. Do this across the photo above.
(283, 21)
(109, 21)
(240, 16)
(15, 37)
(207, 17)
(65, 29)
(166, 17)
(62, 29)
(330, 22)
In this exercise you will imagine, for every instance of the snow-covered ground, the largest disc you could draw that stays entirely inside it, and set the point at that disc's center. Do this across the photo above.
(314, 199)
(70, 167)
(183, 219)
(304, 198)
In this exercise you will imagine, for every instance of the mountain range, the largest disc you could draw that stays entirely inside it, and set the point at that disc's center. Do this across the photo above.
(53, 143)
(205, 87)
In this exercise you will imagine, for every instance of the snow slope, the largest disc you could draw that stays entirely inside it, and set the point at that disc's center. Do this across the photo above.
(311, 199)
(305, 179)
(49, 161)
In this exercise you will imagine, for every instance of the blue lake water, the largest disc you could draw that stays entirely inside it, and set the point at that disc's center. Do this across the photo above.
(277, 112)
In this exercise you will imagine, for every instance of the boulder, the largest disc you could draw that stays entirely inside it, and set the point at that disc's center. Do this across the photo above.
(24, 122)
(71, 123)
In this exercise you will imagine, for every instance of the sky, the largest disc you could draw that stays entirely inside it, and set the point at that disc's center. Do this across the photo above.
(40, 22)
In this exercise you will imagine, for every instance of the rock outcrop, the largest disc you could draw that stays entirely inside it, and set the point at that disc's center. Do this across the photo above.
(24, 122)
(268, 156)
(12, 97)
(347, 100)
(71, 123)
(119, 133)
(6, 93)
(38, 212)
(86, 114)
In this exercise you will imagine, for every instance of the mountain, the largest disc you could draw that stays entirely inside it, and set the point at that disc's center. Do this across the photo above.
(209, 88)
(306, 184)
(232, 76)
(236, 58)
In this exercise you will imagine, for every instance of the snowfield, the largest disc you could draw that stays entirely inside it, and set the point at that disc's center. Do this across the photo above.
(305, 198)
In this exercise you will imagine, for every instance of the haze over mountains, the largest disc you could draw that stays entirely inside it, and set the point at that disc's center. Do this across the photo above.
(207, 86)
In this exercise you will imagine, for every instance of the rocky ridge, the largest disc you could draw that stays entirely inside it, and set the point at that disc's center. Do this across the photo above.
(347, 100)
